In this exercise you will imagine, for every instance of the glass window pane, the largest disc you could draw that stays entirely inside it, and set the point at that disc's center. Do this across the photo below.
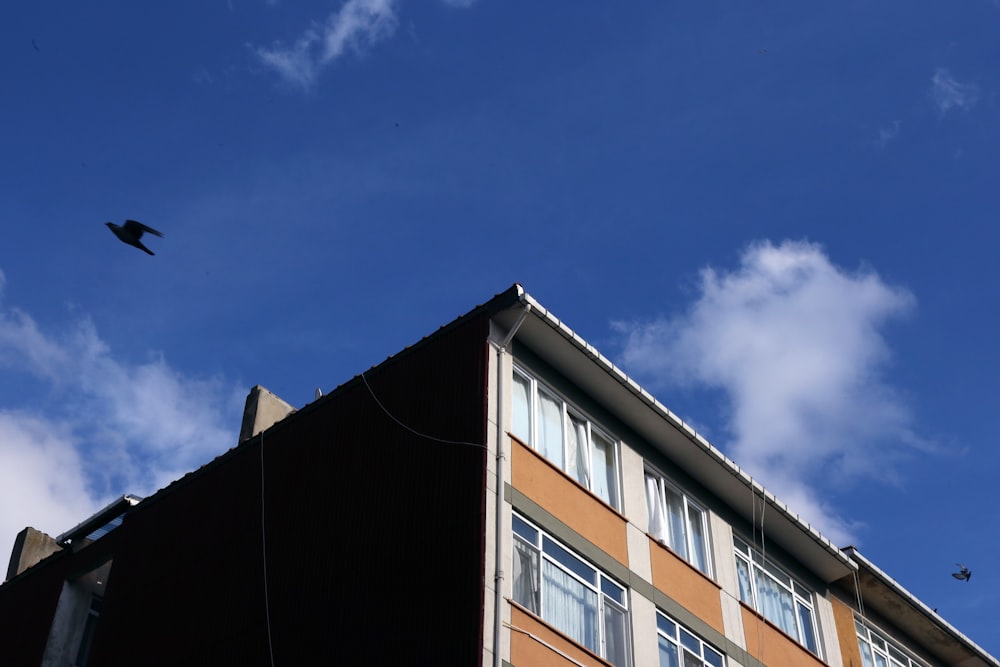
(613, 590)
(776, 572)
(866, 653)
(550, 429)
(775, 602)
(577, 451)
(525, 584)
(570, 606)
(614, 635)
(806, 625)
(605, 483)
(655, 506)
(569, 561)
(690, 641)
(675, 516)
(691, 660)
(696, 524)
(668, 654)
(713, 657)
(522, 528)
(666, 626)
(743, 574)
(520, 421)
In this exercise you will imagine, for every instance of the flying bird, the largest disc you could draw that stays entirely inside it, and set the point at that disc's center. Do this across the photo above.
(964, 575)
(131, 232)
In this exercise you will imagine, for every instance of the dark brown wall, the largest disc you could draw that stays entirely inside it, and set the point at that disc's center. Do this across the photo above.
(374, 534)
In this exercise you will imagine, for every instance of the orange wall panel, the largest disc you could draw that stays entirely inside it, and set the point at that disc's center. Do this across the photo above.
(847, 634)
(772, 646)
(537, 478)
(686, 585)
(527, 651)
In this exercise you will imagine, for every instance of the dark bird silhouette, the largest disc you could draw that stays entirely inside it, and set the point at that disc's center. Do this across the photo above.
(131, 232)
(965, 574)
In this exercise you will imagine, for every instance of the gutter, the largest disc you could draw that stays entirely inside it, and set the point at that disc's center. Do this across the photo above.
(498, 575)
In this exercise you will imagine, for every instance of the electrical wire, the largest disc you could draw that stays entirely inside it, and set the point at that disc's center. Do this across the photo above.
(412, 430)
(263, 541)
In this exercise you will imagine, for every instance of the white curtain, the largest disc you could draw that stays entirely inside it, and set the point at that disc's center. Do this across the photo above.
(776, 603)
(743, 573)
(605, 482)
(578, 452)
(570, 606)
(550, 429)
(520, 421)
(675, 515)
(525, 582)
(614, 635)
(696, 522)
(654, 502)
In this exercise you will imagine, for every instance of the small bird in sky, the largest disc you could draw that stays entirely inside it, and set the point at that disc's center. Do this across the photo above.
(35, 44)
(965, 574)
(131, 232)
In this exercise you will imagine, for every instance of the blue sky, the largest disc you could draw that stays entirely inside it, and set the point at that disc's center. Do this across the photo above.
(779, 218)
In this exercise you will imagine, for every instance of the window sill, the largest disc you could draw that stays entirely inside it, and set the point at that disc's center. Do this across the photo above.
(562, 472)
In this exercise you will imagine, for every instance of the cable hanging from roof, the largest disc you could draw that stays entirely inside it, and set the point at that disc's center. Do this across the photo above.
(413, 430)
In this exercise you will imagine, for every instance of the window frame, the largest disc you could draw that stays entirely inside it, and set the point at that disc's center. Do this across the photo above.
(663, 483)
(605, 588)
(802, 597)
(890, 650)
(569, 412)
(680, 633)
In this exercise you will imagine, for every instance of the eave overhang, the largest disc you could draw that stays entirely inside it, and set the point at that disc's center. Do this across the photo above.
(882, 594)
(583, 365)
(112, 511)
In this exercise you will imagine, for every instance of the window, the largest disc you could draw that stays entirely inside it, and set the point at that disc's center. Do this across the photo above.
(681, 648)
(93, 613)
(569, 593)
(877, 651)
(566, 437)
(781, 599)
(677, 521)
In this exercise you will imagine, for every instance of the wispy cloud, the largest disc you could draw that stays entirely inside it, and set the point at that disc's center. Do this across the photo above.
(794, 343)
(107, 427)
(948, 93)
(889, 133)
(357, 25)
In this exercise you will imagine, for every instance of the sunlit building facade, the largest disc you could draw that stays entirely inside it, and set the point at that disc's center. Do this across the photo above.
(497, 494)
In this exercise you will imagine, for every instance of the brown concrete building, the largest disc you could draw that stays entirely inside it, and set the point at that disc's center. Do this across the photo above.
(497, 494)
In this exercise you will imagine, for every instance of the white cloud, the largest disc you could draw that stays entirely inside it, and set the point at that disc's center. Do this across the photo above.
(107, 426)
(356, 25)
(41, 478)
(948, 93)
(794, 343)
